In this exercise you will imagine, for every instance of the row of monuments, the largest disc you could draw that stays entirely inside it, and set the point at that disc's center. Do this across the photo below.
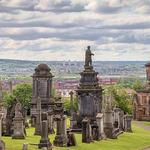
(93, 120)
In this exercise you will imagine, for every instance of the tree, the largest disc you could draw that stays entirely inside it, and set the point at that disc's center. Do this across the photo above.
(120, 98)
(137, 85)
(22, 92)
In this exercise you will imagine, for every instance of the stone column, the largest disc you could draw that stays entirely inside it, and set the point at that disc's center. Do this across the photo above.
(44, 142)
(100, 123)
(61, 135)
(127, 123)
(71, 103)
(108, 121)
(0, 125)
(86, 131)
(38, 118)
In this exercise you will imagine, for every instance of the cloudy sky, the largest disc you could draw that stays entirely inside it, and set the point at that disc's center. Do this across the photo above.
(62, 29)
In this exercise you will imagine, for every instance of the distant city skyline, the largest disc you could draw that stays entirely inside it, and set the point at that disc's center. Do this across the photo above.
(54, 30)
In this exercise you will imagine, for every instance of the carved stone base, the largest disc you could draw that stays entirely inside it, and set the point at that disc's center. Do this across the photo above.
(60, 141)
(45, 143)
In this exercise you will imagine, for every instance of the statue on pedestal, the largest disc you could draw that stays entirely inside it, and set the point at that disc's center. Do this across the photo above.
(88, 57)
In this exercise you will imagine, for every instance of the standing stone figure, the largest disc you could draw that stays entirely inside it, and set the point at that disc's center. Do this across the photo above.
(18, 126)
(88, 57)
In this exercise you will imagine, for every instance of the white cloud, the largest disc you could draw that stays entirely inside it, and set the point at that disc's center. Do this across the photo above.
(50, 30)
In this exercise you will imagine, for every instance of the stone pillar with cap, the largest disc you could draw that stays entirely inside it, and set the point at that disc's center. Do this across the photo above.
(38, 118)
(44, 141)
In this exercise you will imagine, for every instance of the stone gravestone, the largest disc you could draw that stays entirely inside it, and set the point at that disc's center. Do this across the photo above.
(86, 131)
(95, 131)
(61, 133)
(71, 141)
(0, 125)
(38, 118)
(89, 92)
(127, 123)
(108, 121)
(25, 147)
(121, 118)
(45, 142)
(2, 145)
(18, 127)
(116, 117)
(71, 103)
(100, 123)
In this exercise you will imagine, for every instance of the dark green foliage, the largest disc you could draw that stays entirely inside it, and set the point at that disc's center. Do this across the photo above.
(120, 98)
(22, 92)
(133, 83)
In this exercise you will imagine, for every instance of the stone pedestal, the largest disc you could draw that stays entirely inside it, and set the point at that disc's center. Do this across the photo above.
(44, 142)
(38, 118)
(18, 126)
(108, 122)
(71, 141)
(100, 123)
(61, 135)
(50, 123)
(86, 131)
(127, 123)
(18, 129)
(2, 145)
(0, 125)
(89, 93)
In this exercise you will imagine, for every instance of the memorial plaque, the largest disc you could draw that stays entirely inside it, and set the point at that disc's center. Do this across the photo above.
(42, 87)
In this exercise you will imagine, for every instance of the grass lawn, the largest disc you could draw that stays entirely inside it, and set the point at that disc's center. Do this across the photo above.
(147, 123)
(127, 141)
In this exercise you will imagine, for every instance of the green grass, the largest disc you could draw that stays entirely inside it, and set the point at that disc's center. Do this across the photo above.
(127, 141)
(147, 123)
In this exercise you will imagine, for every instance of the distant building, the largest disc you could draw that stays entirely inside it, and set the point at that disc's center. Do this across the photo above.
(63, 87)
(142, 101)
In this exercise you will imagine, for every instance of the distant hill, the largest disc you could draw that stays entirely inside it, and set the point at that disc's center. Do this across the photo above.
(23, 68)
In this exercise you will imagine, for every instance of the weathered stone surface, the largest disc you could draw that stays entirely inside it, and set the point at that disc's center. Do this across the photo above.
(45, 142)
(25, 147)
(100, 123)
(71, 141)
(61, 135)
(86, 131)
(89, 93)
(127, 123)
(18, 126)
(42, 87)
(38, 118)
(2, 145)
(108, 122)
